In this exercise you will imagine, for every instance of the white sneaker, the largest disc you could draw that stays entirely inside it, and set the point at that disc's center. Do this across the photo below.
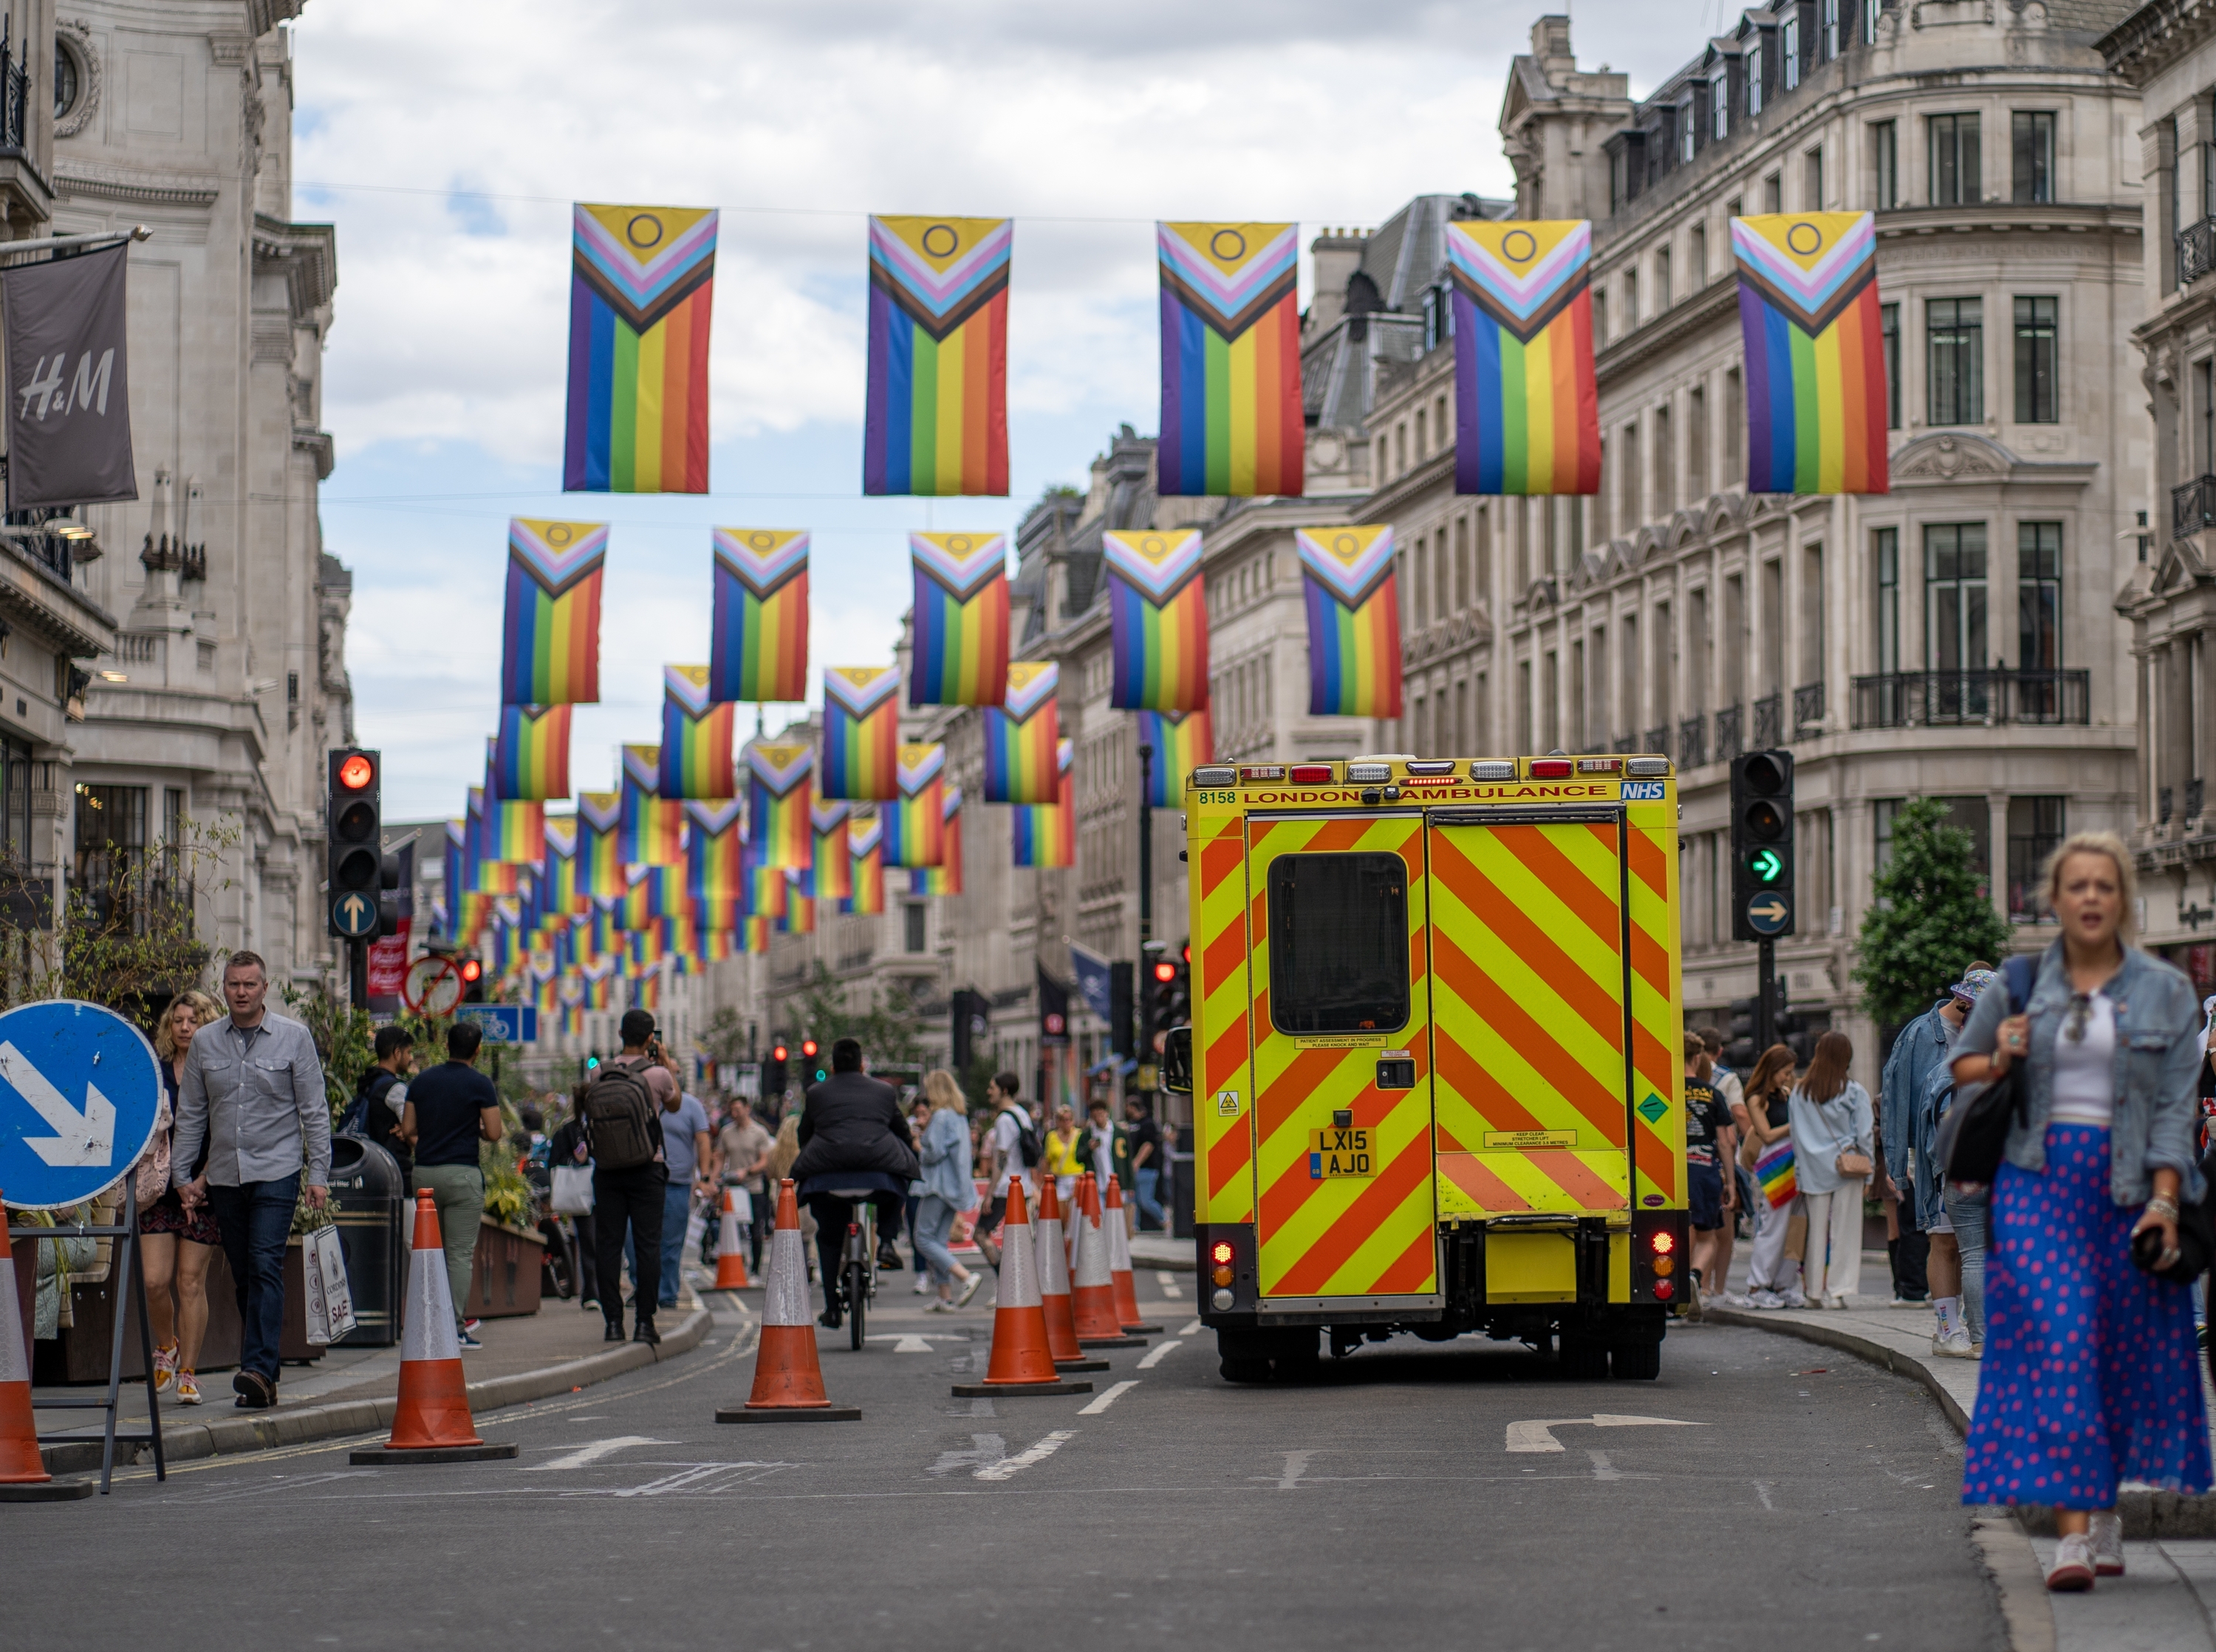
(2072, 1570)
(1737, 1300)
(1907, 1302)
(1833, 1299)
(1765, 1299)
(1956, 1347)
(1793, 1296)
(922, 1284)
(2107, 1537)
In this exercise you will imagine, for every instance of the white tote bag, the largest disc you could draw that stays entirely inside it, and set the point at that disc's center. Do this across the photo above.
(572, 1192)
(329, 1298)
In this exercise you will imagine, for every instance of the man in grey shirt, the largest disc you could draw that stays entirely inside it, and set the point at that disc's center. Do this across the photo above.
(253, 1089)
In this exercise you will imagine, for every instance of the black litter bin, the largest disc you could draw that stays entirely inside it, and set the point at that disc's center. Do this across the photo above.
(369, 1200)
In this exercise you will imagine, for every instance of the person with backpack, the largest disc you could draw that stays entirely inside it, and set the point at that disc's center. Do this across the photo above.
(622, 1107)
(853, 1135)
(380, 1101)
(1011, 1150)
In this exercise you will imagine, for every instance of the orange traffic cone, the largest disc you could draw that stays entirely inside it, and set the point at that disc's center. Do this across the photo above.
(730, 1249)
(24, 1476)
(1119, 1263)
(432, 1423)
(1051, 1258)
(1092, 1295)
(788, 1376)
(1022, 1362)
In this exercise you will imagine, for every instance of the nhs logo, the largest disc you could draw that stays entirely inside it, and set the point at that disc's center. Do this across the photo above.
(1643, 791)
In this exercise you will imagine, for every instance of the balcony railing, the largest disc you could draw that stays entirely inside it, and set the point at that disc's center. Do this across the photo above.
(2196, 797)
(2192, 506)
(1654, 743)
(1808, 708)
(1628, 744)
(1768, 721)
(1939, 699)
(1730, 740)
(1693, 741)
(14, 95)
(2196, 250)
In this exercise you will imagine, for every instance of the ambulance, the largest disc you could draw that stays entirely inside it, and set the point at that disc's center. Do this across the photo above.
(1436, 1057)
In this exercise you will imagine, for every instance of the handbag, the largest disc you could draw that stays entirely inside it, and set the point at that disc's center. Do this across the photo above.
(1974, 1138)
(572, 1194)
(1853, 1165)
(329, 1302)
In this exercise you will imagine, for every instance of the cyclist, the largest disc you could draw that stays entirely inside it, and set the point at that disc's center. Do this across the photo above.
(852, 1136)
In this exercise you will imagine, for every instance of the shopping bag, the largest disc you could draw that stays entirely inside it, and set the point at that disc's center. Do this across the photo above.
(742, 1207)
(1775, 1172)
(330, 1298)
(573, 1189)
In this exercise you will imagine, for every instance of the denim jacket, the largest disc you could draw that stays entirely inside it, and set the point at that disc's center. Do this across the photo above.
(1920, 1050)
(2157, 1020)
(946, 1158)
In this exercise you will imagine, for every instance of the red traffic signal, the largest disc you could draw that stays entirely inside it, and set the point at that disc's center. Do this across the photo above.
(807, 1049)
(1165, 971)
(778, 1053)
(357, 771)
(471, 969)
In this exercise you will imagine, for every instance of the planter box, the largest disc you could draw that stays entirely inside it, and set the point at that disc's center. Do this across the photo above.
(505, 1273)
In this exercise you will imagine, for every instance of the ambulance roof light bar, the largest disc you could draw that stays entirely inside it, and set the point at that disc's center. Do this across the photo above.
(1500, 770)
(1214, 774)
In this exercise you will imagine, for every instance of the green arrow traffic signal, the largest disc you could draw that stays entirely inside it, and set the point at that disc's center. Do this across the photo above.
(1767, 865)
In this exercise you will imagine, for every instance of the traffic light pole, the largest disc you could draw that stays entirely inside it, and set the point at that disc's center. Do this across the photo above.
(358, 973)
(1766, 1002)
(1145, 1007)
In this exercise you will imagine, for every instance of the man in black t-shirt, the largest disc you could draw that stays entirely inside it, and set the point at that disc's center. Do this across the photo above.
(1711, 1143)
(383, 1091)
(452, 1109)
(1146, 1140)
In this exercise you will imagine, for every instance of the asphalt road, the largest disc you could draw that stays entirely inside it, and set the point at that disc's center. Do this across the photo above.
(1806, 1501)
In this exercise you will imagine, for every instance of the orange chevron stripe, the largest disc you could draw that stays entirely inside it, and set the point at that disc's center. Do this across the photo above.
(1258, 922)
(1221, 959)
(1651, 959)
(1658, 1166)
(1229, 1158)
(1468, 1078)
(1220, 859)
(1598, 1007)
(1573, 1176)
(1369, 1212)
(1488, 1192)
(1564, 879)
(1649, 1055)
(1228, 1053)
(1332, 836)
(1648, 863)
(1600, 1106)
(1416, 1268)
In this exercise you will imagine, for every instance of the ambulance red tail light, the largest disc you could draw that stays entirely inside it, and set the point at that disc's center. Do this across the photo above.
(1312, 774)
(1552, 768)
(1665, 1291)
(1221, 1255)
(1663, 1241)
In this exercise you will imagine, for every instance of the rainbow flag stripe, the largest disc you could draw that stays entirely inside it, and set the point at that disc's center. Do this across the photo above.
(861, 733)
(653, 825)
(1779, 1181)
(1815, 355)
(715, 850)
(780, 790)
(642, 279)
(914, 827)
(1158, 618)
(866, 854)
(514, 833)
(945, 878)
(752, 935)
(697, 735)
(758, 626)
(938, 414)
(563, 900)
(799, 903)
(1527, 410)
(1046, 833)
(531, 753)
(551, 630)
(1021, 734)
(1231, 422)
(1182, 743)
(600, 840)
(831, 879)
(960, 652)
(1354, 621)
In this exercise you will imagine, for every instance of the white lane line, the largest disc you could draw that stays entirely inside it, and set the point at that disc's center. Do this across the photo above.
(1108, 1397)
(1008, 1467)
(1602, 1469)
(1761, 1491)
(585, 1456)
(1168, 1281)
(1297, 1463)
(1153, 1356)
(915, 1341)
(1536, 1434)
(1193, 1329)
(986, 1450)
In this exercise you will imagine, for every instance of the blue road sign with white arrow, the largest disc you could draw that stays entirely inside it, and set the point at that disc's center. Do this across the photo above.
(354, 915)
(79, 1095)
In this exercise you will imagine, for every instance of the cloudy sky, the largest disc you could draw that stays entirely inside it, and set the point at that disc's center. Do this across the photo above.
(448, 141)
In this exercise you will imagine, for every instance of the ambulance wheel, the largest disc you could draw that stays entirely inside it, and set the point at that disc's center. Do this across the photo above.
(1583, 1360)
(1636, 1361)
(1297, 1357)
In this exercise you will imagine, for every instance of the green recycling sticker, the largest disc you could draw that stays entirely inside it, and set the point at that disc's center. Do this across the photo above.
(1652, 1108)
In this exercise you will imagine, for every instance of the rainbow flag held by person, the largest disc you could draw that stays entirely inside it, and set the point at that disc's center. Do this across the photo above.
(1354, 621)
(959, 636)
(780, 790)
(1021, 734)
(1232, 419)
(757, 622)
(1181, 743)
(913, 833)
(799, 902)
(1158, 619)
(1046, 833)
(937, 412)
(945, 878)
(599, 841)
(831, 879)
(698, 737)
(550, 629)
(715, 850)
(861, 734)
(1815, 352)
(1774, 1169)
(1526, 408)
(653, 825)
(531, 753)
(866, 854)
(642, 280)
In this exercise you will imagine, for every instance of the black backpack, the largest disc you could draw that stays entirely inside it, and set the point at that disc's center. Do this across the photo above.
(355, 1120)
(1027, 1138)
(622, 1123)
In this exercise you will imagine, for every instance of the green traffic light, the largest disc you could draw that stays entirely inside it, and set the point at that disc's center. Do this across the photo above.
(1767, 865)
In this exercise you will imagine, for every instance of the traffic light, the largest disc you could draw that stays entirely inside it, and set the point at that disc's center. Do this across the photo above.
(1794, 1032)
(1762, 845)
(1123, 1009)
(773, 1071)
(1738, 1042)
(972, 1018)
(472, 973)
(813, 1067)
(357, 870)
(1172, 989)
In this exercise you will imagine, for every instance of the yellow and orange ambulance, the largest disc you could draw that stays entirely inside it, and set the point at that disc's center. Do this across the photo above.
(1436, 1056)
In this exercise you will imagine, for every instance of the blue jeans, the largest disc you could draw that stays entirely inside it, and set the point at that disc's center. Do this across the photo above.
(676, 1211)
(256, 1219)
(934, 1220)
(1150, 1207)
(1968, 1213)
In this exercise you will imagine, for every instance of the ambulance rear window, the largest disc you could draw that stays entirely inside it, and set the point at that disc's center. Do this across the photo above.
(1339, 943)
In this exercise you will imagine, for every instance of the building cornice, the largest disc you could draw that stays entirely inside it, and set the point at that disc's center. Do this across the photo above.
(308, 255)
(2156, 36)
(192, 191)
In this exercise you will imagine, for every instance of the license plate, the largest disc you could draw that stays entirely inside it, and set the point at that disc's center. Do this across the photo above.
(1340, 1152)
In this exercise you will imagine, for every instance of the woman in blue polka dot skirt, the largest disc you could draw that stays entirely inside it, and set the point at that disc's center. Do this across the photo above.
(2091, 1373)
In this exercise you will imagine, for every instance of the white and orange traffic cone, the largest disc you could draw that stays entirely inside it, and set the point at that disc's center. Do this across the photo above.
(1051, 1258)
(1022, 1362)
(1092, 1294)
(432, 1423)
(24, 1476)
(1119, 1263)
(788, 1376)
(730, 1248)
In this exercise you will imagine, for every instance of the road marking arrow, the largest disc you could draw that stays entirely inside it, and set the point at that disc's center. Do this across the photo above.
(81, 1141)
(913, 1342)
(1537, 1435)
(585, 1456)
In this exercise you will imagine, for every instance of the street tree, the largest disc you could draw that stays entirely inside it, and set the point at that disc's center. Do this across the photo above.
(1930, 915)
(889, 1031)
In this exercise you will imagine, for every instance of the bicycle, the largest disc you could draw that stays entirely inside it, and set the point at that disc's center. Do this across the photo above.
(857, 1272)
